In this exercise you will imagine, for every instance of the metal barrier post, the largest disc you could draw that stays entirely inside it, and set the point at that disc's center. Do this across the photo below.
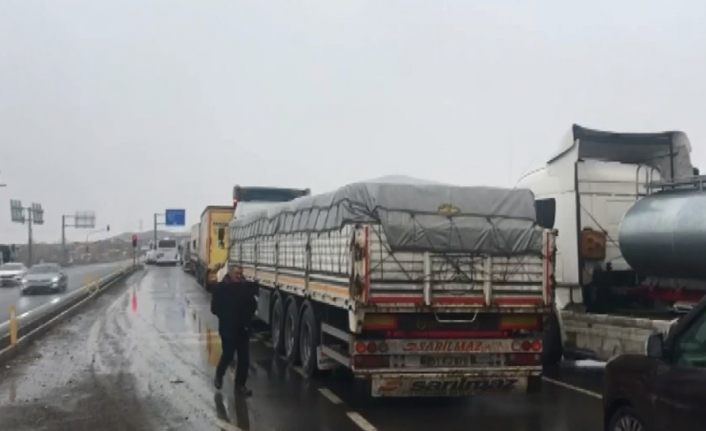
(13, 325)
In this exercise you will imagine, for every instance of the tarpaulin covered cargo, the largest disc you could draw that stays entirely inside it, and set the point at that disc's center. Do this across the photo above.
(414, 217)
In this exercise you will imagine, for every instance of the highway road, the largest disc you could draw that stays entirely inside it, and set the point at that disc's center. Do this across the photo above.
(142, 357)
(78, 277)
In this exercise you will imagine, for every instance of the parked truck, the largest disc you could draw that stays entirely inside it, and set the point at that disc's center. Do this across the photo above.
(629, 212)
(191, 250)
(212, 243)
(418, 289)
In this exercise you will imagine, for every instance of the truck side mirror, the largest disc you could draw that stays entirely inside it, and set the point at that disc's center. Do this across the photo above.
(655, 346)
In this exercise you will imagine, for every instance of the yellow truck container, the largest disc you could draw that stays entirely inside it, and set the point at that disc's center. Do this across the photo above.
(212, 243)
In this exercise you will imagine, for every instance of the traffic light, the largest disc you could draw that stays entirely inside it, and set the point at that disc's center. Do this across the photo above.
(134, 241)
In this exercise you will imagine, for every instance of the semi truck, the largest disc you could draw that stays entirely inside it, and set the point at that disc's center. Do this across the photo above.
(417, 289)
(212, 243)
(191, 250)
(628, 209)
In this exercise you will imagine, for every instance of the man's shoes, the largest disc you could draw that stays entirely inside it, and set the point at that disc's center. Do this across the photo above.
(218, 382)
(243, 390)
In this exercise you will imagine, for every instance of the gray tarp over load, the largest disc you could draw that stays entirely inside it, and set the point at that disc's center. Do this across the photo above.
(414, 217)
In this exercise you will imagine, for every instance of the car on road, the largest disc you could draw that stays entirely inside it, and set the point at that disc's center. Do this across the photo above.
(44, 277)
(664, 389)
(11, 273)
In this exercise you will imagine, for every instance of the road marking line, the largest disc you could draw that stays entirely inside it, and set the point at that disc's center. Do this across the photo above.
(361, 421)
(573, 388)
(329, 395)
(299, 371)
(227, 426)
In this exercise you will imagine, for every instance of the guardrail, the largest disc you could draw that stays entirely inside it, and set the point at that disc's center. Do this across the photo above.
(32, 320)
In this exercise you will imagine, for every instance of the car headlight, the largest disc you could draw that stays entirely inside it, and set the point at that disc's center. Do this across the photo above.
(23, 280)
(55, 280)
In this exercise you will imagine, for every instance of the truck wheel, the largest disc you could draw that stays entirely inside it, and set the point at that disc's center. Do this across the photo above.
(276, 324)
(552, 349)
(291, 332)
(308, 340)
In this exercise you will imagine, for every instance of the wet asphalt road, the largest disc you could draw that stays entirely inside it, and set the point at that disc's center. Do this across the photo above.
(142, 356)
(78, 277)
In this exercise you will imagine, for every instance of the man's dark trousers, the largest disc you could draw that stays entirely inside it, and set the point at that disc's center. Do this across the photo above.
(231, 343)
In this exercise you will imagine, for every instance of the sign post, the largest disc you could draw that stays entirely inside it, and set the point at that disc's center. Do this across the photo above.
(81, 220)
(33, 214)
(134, 248)
(172, 217)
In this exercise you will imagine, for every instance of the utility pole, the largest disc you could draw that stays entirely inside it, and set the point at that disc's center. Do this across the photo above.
(29, 238)
(155, 227)
(64, 255)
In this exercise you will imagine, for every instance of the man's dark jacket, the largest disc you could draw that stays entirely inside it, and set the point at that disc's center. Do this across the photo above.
(234, 304)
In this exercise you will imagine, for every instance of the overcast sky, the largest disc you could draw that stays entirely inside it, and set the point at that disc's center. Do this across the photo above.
(129, 107)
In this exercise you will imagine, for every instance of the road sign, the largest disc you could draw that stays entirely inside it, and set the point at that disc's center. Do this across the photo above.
(37, 214)
(85, 219)
(16, 212)
(175, 217)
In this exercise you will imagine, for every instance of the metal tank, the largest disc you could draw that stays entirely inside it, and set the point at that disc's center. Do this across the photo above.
(664, 235)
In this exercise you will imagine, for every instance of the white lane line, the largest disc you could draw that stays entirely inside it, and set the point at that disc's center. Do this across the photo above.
(299, 371)
(361, 421)
(573, 388)
(329, 395)
(226, 426)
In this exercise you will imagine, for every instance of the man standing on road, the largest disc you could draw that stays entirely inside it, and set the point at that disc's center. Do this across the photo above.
(234, 303)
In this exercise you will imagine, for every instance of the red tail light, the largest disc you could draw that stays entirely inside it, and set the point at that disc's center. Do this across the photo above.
(371, 361)
(513, 322)
(380, 322)
(522, 359)
(360, 347)
(536, 345)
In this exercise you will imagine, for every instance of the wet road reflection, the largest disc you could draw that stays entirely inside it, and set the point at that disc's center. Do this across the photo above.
(143, 357)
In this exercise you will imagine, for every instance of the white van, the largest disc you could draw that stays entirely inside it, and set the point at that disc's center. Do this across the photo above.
(167, 252)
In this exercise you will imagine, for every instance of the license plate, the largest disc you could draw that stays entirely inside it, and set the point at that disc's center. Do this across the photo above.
(455, 361)
(450, 386)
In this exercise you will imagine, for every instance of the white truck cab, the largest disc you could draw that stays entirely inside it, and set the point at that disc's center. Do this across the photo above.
(584, 192)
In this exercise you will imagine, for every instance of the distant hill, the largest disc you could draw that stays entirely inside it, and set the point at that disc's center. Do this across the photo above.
(147, 236)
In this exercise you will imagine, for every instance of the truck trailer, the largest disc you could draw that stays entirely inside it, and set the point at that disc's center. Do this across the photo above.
(212, 243)
(629, 215)
(417, 289)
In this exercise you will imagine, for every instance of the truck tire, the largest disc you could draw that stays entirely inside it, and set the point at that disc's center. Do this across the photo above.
(309, 332)
(552, 349)
(277, 324)
(291, 331)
